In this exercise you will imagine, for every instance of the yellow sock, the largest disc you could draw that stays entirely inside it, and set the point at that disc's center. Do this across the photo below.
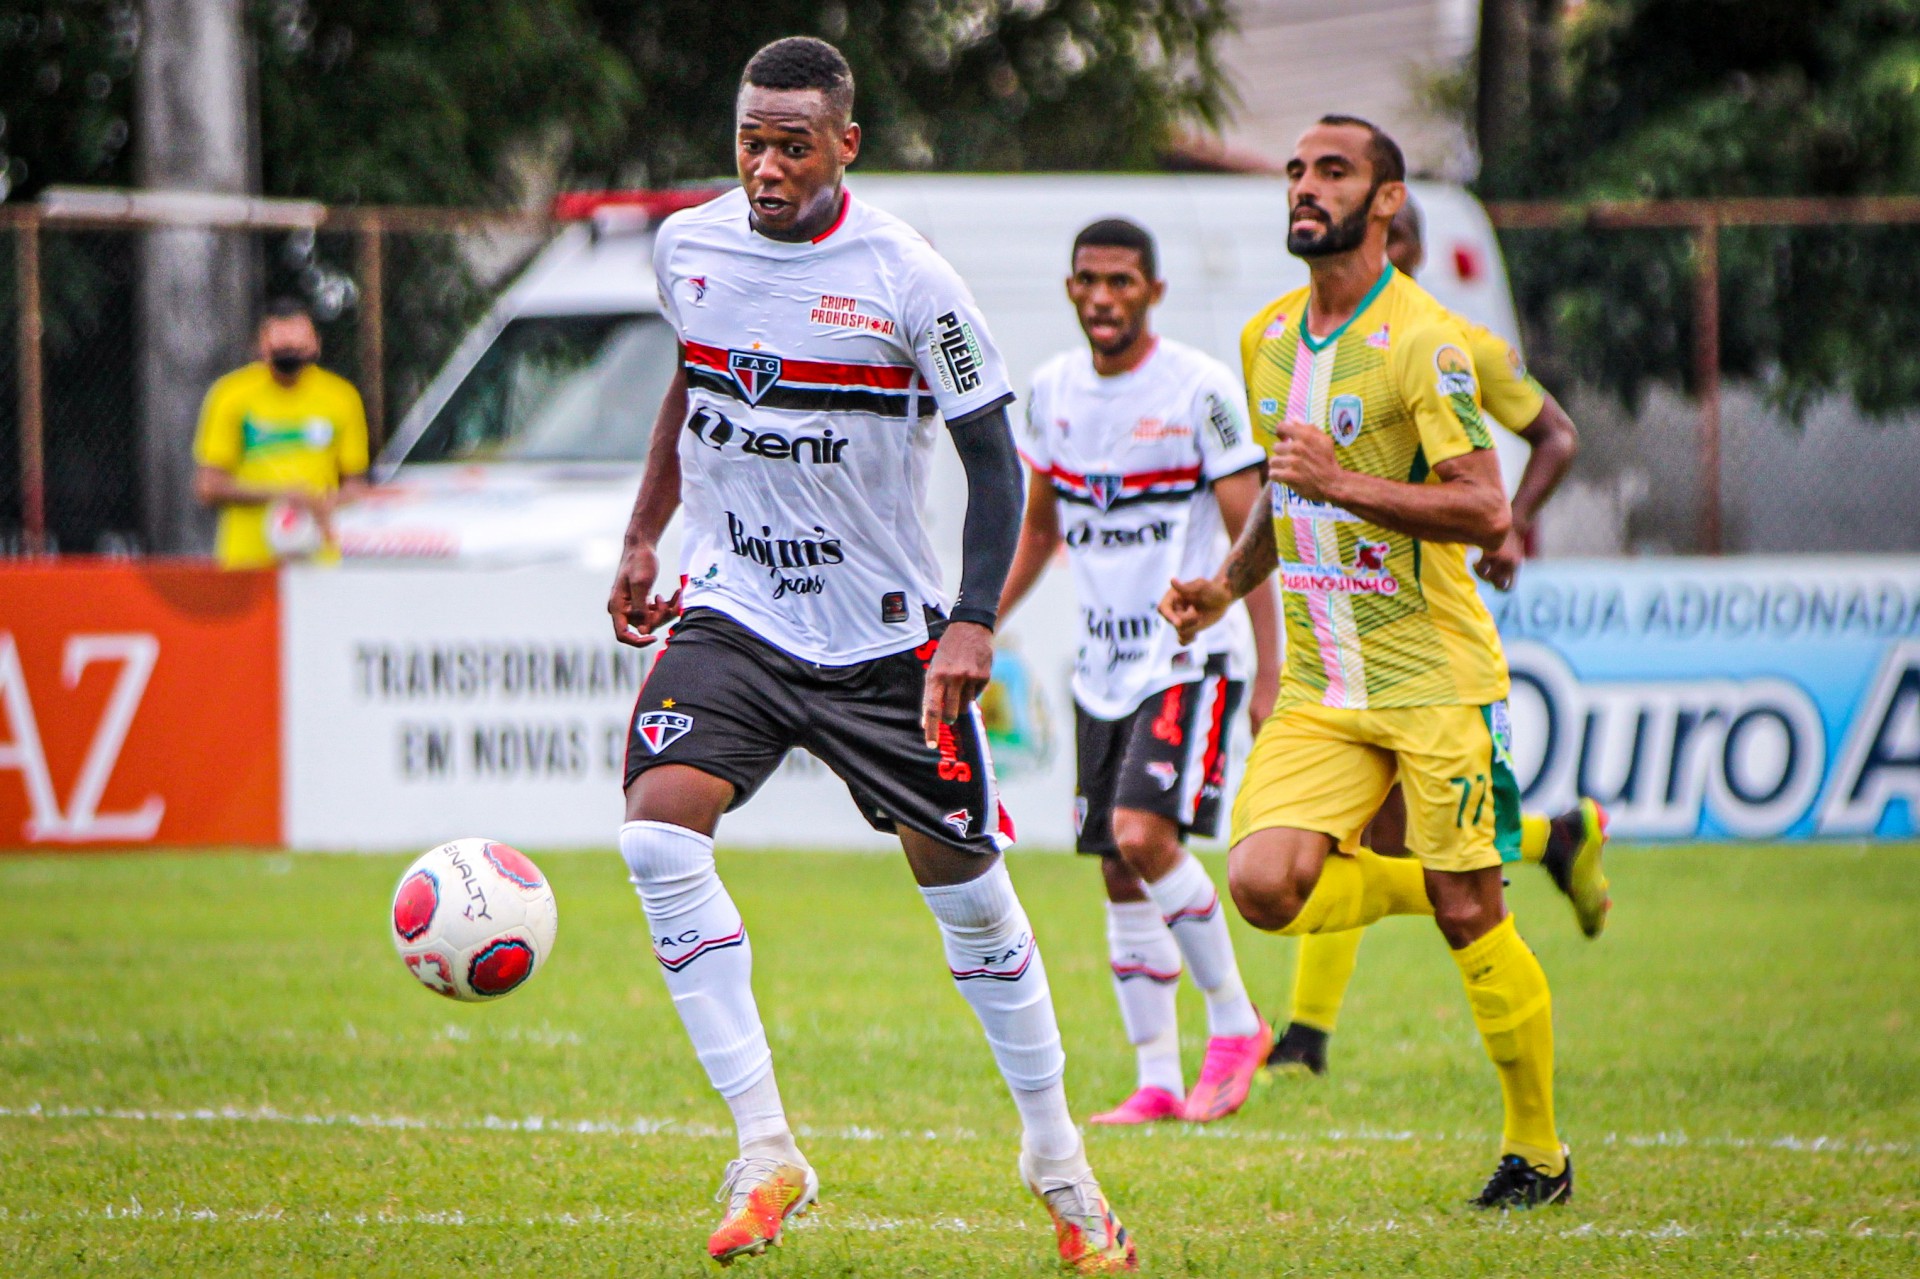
(1514, 1011)
(1361, 889)
(1320, 977)
(1534, 828)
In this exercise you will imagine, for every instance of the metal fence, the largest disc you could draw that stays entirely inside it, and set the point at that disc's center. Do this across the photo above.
(394, 289)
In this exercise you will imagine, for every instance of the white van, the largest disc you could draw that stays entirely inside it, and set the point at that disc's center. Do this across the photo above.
(527, 447)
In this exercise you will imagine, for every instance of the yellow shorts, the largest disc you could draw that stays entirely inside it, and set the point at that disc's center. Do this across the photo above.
(1325, 769)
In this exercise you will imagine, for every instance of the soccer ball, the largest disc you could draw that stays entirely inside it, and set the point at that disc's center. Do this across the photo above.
(292, 532)
(473, 919)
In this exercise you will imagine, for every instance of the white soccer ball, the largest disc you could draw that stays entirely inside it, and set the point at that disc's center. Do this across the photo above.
(292, 531)
(473, 919)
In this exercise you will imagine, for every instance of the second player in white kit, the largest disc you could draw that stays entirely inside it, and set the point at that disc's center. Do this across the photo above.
(1144, 468)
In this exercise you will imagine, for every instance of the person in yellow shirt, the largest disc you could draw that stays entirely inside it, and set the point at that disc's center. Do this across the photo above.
(1383, 475)
(1570, 846)
(280, 439)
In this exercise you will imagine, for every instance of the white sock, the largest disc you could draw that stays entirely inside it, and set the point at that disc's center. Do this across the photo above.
(1191, 907)
(702, 946)
(761, 1120)
(997, 967)
(1146, 976)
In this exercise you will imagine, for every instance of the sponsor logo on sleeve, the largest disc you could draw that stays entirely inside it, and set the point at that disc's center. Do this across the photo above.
(1344, 418)
(1225, 426)
(1455, 370)
(957, 358)
(661, 729)
(754, 373)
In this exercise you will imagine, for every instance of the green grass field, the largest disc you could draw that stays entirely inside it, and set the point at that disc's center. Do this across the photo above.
(215, 1064)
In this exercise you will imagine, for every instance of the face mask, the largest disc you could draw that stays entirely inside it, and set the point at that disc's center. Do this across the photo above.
(288, 363)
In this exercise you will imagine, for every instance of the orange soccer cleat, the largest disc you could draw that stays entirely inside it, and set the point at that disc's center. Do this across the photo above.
(1092, 1241)
(761, 1192)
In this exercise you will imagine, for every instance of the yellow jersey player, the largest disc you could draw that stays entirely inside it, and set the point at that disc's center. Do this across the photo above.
(1568, 846)
(1383, 475)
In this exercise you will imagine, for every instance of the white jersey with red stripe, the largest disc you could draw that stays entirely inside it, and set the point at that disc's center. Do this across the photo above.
(1132, 459)
(815, 374)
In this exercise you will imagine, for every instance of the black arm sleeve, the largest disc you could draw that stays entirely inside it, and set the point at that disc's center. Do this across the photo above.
(996, 502)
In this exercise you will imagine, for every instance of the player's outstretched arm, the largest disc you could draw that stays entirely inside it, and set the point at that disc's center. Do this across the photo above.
(1039, 538)
(1468, 505)
(1191, 607)
(636, 611)
(964, 662)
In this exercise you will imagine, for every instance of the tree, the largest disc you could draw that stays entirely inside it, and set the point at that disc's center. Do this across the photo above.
(1674, 98)
(949, 84)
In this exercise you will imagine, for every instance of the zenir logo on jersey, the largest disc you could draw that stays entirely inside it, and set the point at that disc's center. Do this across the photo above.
(754, 373)
(1344, 416)
(661, 729)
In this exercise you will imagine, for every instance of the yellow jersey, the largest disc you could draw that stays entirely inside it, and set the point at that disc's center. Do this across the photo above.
(1508, 393)
(1374, 618)
(309, 436)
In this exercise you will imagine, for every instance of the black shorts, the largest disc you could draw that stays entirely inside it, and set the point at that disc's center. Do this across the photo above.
(1169, 757)
(722, 700)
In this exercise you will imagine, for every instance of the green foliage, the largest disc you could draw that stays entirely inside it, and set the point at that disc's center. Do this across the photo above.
(1673, 98)
(950, 84)
(65, 92)
(215, 1065)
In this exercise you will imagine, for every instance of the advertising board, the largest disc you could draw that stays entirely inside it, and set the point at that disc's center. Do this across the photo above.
(139, 704)
(1756, 698)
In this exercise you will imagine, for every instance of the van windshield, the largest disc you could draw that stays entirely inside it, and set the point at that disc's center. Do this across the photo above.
(572, 388)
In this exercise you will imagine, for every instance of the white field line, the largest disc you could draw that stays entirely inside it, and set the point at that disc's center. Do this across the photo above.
(826, 1221)
(647, 1127)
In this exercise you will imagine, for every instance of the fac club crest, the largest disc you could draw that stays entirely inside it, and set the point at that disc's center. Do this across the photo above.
(661, 729)
(1344, 417)
(1104, 489)
(754, 373)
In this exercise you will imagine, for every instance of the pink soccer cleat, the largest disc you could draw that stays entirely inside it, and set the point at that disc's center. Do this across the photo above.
(1145, 1106)
(1227, 1074)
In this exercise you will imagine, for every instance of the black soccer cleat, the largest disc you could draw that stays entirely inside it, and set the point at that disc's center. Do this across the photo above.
(1518, 1184)
(1300, 1048)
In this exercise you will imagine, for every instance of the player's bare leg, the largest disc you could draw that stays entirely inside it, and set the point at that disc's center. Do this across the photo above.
(996, 964)
(1145, 962)
(1189, 904)
(701, 943)
(1292, 881)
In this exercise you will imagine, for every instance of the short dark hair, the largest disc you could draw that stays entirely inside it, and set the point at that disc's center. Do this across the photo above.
(803, 62)
(1119, 233)
(284, 308)
(1383, 153)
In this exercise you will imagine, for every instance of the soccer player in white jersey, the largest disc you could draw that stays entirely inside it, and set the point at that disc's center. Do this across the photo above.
(1144, 466)
(822, 340)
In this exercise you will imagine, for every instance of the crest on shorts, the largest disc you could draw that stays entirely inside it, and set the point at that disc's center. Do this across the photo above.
(1163, 772)
(1103, 489)
(753, 373)
(661, 729)
(1344, 417)
(959, 819)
